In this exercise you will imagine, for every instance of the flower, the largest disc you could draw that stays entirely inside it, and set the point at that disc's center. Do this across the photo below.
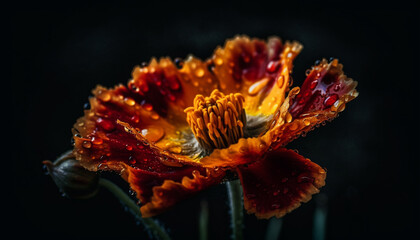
(179, 127)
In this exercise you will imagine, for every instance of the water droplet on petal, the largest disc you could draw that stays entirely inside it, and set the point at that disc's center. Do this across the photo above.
(105, 124)
(147, 106)
(272, 66)
(132, 160)
(255, 88)
(330, 100)
(86, 144)
(97, 140)
(313, 85)
(154, 116)
(153, 133)
(129, 101)
(104, 96)
(218, 61)
(288, 117)
(199, 72)
(307, 122)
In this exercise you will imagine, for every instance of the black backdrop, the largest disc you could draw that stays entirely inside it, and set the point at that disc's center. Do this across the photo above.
(60, 52)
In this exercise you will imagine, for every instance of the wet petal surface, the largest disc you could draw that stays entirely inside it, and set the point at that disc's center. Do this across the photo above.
(278, 183)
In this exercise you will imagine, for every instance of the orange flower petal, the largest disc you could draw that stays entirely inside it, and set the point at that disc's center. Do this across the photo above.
(257, 69)
(323, 95)
(160, 191)
(100, 141)
(171, 87)
(279, 182)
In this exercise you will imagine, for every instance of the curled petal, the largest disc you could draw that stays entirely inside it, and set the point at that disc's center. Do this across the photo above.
(322, 96)
(279, 182)
(160, 191)
(326, 87)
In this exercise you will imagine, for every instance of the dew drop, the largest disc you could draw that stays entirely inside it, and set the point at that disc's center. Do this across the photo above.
(199, 72)
(283, 180)
(86, 144)
(104, 96)
(105, 124)
(313, 85)
(218, 61)
(255, 88)
(288, 117)
(307, 122)
(129, 101)
(135, 118)
(273, 66)
(132, 160)
(154, 116)
(97, 140)
(147, 106)
(139, 146)
(330, 100)
(285, 190)
(128, 147)
(153, 133)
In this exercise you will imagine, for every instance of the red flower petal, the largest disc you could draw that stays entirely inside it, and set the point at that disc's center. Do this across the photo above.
(323, 95)
(160, 191)
(278, 183)
(323, 87)
(170, 87)
(100, 142)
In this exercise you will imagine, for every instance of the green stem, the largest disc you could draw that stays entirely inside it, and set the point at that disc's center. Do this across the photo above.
(236, 205)
(203, 221)
(274, 228)
(149, 223)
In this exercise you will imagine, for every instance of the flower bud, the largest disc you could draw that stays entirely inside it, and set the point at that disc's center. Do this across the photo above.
(73, 180)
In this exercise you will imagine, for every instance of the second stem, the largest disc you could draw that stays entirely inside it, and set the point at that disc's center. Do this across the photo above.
(234, 190)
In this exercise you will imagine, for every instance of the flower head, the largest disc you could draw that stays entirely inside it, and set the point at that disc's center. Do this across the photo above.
(176, 128)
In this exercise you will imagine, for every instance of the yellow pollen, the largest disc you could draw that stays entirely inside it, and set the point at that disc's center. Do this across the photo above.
(217, 121)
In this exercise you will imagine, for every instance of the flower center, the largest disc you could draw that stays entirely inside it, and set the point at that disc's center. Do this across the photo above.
(217, 121)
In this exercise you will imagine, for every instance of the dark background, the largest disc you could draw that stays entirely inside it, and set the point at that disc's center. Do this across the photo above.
(61, 51)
